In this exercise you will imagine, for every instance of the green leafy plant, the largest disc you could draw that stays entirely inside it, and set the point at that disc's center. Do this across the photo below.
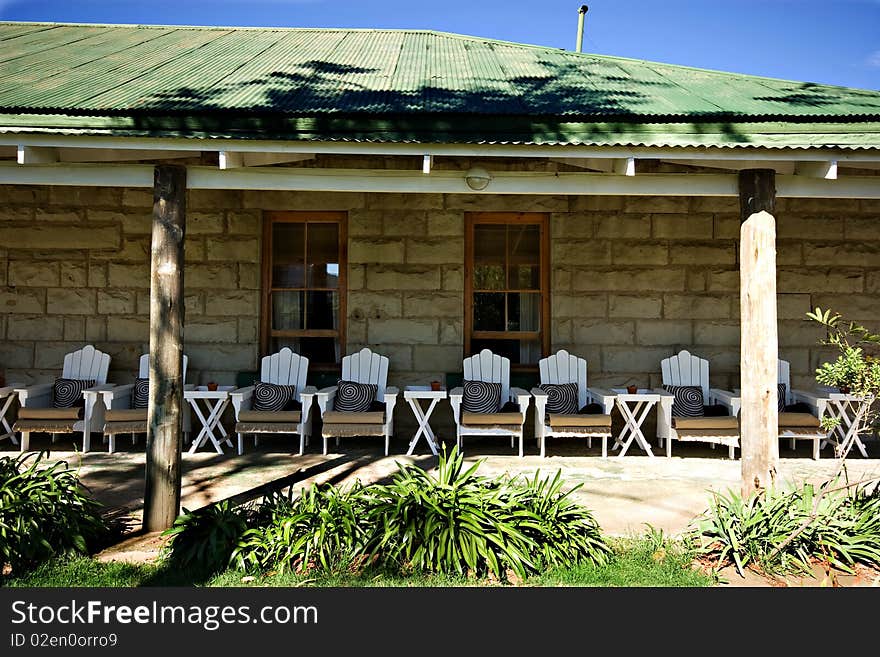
(44, 512)
(787, 531)
(206, 538)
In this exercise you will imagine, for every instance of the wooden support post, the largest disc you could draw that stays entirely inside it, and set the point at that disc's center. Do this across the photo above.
(759, 353)
(757, 191)
(162, 493)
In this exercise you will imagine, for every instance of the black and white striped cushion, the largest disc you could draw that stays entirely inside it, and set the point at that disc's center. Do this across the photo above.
(562, 398)
(272, 396)
(688, 401)
(141, 397)
(780, 390)
(353, 397)
(67, 393)
(481, 397)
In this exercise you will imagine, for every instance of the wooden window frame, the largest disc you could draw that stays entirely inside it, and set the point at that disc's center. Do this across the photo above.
(304, 217)
(540, 219)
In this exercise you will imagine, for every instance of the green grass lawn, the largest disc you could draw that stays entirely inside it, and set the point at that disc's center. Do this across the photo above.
(636, 562)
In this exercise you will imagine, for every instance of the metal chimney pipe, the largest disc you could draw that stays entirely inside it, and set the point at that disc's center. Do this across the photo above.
(580, 37)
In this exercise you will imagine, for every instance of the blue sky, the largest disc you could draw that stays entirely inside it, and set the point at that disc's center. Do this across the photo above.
(825, 41)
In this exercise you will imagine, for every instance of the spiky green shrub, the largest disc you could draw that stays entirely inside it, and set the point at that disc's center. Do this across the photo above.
(44, 512)
(206, 538)
(786, 531)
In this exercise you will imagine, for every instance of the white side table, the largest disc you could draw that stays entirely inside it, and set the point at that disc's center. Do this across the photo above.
(843, 406)
(215, 402)
(412, 394)
(7, 396)
(634, 417)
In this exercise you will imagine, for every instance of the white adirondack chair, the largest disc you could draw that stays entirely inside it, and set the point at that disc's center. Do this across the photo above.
(362, 367)
(282, 368)
(801, 426)
(88, 364)
(685, 369)
(121, 417)
(563, 367)
(489, 368)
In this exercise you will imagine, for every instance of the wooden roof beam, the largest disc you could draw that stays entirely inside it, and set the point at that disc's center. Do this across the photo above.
(825, 170)
(36, 154)
(239, 159)
(622, 166)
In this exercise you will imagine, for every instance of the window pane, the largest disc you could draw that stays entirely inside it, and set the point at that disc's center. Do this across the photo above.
(489, 241)
(287, 310)
(323, 310)
(323, 255)
(488, 277)
(524, 277)
(317, 350)
(523, 312)
(520, 352)
(488, 311)
(287, 255)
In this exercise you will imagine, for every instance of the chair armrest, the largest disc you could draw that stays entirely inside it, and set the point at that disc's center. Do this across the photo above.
(814, 401)
(731, 400)
(307, 398)
(390, 400)
(118, 396)
(36, 396)
(242, 399)
(604, 397)
(537, 392)
(455, 396)
(325, 398)
(522, 398)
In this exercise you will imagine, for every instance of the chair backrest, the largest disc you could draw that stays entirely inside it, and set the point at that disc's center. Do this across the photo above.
(563, 367)
(285, 368)
(144, 367)
(489, 368)
(685, 369)
(366, 367)
(87, 363)
(784, 376)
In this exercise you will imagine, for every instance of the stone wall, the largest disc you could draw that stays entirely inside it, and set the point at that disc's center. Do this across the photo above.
(633, 278)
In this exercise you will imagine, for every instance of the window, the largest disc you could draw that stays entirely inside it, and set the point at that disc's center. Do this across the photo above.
(304, 276)
(507, 284)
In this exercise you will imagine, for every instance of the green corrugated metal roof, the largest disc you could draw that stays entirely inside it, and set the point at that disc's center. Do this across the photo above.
(400, 85)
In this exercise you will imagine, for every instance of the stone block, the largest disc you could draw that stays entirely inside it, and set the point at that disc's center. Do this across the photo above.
(437, 358)
(375, 305)
(633, 359)
(194, 249)
(793, 306)
(404, 223)
(96, 329)
(624, 226)
(506, 203)
(133, 249)
(207, 329)
(856, 307)
(562, 331)
(129, 275)
(50, 356)
(16, 355)
(404, 277)
(798, 226)
(682, 226)
(869, 206)
(270, 200)
(128, 329)
(656, 204)
(29, 273)
(581, 252)
(69, 301)
(393, 201)
(849, 254)
(727, 226)
(800, 333)
(222, 357)
(722, 360)
(695, 306)
(233, 249)
(574, 225)
(73, 274)
(400, 359)
(445, 224)
(116, 302)
(137, 223)
(789, 252)
(365, 223)
(702, 254)
(35, 327)
(664, 332)
(232, 303)
(560, 280)
(631, 280)
(819, 280)
(75, 329)
(435, 250)
(604, 332)
(248, 329)
(205, 223)
(863, 228)
(355, 333)
(578, 305)
(213, 199)
(17, 214)
(634, 306)
(872, 282)
(356, 277)
(441, 305)
(723, 280)
(582, 203)
(381, 251)
(25, 194)
(635, 253)
(696, 281)
(97, 275)
(57, 215)
(85, 196)
(248, 276)
(453, 278)
(799, 359)
(222, 276)
(832, 206)
(716, 204)
(137, 198)
(51, 237)
(717, 333)
(244, 222)
(451, 331)
(402, 331)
